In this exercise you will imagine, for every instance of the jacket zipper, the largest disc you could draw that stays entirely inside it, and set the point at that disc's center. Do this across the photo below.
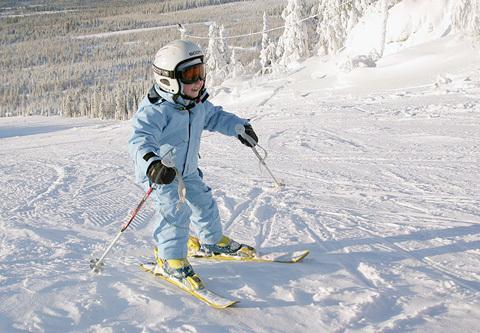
(188, 141)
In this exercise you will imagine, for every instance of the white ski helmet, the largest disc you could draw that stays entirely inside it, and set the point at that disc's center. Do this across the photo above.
(169, 58)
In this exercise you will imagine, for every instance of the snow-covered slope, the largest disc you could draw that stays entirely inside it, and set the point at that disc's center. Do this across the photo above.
(382, 188)
(382, 31)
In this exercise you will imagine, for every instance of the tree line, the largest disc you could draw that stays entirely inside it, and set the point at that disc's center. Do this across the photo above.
(51, 64)
(47, 63)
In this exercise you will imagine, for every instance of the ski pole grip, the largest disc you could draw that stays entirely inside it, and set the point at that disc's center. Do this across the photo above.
(240, 130)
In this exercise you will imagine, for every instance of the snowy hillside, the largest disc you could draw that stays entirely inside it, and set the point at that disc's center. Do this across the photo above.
(382, 188)
(381, 168)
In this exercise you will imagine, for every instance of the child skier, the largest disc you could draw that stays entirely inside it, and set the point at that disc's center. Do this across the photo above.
(164, 146)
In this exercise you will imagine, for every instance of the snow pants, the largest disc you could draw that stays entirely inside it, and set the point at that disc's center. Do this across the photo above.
(173, 225)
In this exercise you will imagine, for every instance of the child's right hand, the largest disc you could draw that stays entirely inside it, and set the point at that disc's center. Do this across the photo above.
(160, 174)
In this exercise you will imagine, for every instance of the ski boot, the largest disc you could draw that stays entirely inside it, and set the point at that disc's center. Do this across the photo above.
(226, 247)
(178, 271)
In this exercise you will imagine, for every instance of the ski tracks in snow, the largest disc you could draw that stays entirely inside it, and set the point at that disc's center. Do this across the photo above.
(257, 213)
(382, 191)
(385, 215)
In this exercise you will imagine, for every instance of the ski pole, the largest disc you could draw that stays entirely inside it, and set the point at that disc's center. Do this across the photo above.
(97, 264)
(240, 129)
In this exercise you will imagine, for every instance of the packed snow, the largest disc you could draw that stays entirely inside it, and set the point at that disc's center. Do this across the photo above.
(381, 169)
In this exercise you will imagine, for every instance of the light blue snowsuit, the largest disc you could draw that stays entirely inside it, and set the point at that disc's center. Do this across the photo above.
(166, 128)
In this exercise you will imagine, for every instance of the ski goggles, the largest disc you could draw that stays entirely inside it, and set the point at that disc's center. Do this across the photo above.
(192, 74)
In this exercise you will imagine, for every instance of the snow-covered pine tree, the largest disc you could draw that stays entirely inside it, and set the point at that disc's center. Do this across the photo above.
(83, 103)
(81, 107)
(67, 105)
(96, 103)
(121, 111)
(224, 49)
(129, 101)
(108, 104)
(267, 53)
(466, 17)
(217, 56)
(212, 56)
(293, 44)
(135, 95)
(383, 7)
(77, 97)
(335, 20)
(233, 65)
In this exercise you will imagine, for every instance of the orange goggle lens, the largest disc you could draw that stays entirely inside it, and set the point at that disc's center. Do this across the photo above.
(192, 74)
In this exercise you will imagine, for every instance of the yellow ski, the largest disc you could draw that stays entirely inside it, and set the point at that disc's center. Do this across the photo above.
(203, 294)
(245, 253)
(280, 257)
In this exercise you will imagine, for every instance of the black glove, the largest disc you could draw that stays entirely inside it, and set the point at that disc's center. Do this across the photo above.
(250, 132)
(160, 174)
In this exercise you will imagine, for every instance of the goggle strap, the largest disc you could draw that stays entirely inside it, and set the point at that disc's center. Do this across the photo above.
(163, 72)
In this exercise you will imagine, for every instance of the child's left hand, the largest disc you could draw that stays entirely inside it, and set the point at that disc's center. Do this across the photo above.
(250, 132)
